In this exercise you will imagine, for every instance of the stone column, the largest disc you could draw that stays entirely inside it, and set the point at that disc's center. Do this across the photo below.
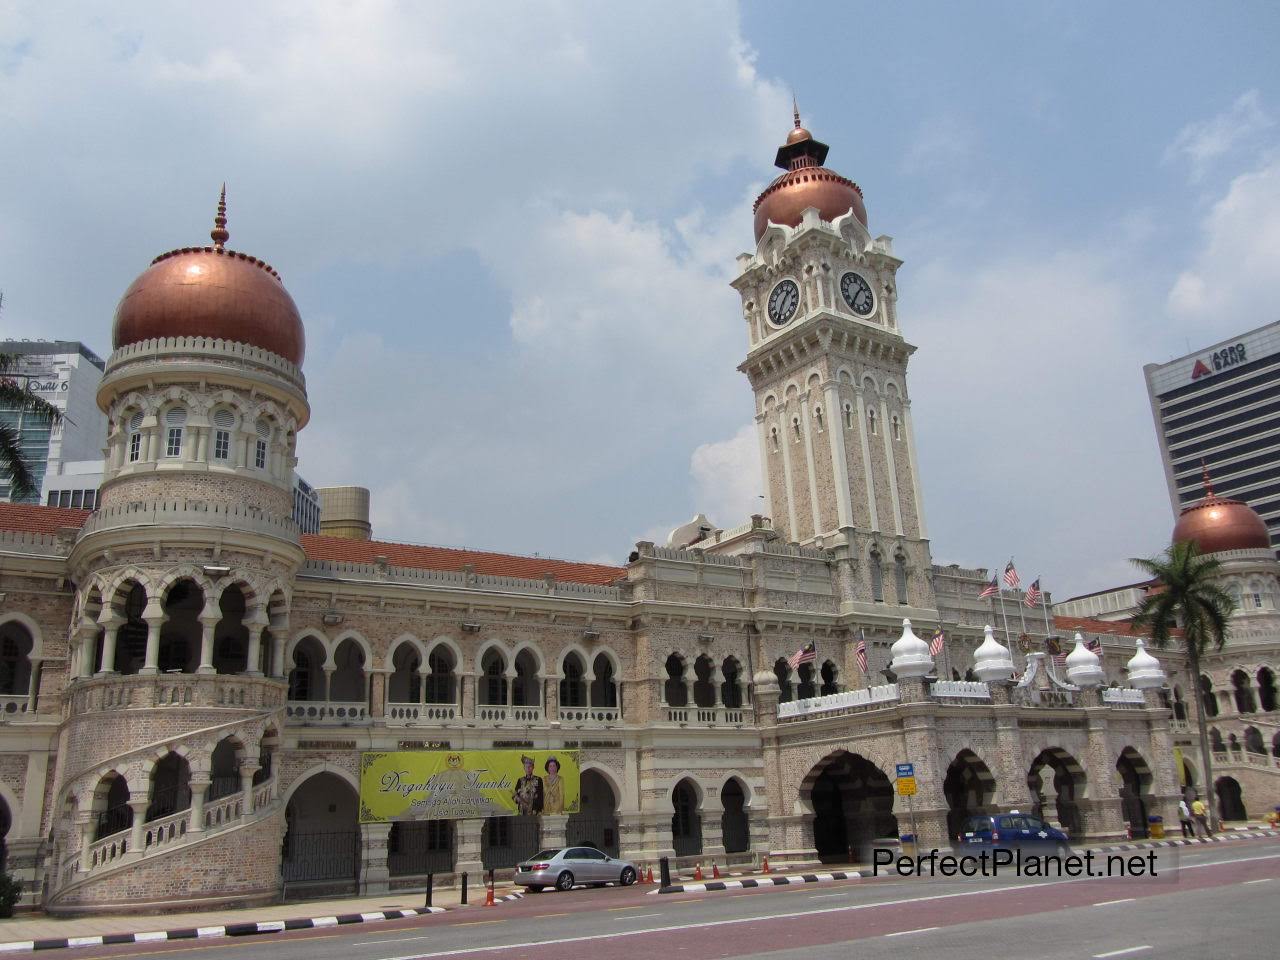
(712, 814)
(84, 823)
(281, 637)
(1102, 814)
(112, 626)
(374, 875)
(155, 617)
(1010, 766)
(552, 698)
(256, 627)
(467, 851)
(208, 622)
(328, 681)
(378, 691)
(136, 839)
(467, 694)
(247, 771)
(555, 828)
(198, 788)
(424, 671)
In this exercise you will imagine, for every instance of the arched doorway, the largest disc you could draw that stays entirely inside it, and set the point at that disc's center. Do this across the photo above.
(180, 635)
(322, 837)
(1267, 698)
(596, 822)
(1135, 787)
(1230, 799)
(686, 820)
(170, 787)
(734, 824)
(969, 788)
(16, 645)
(1057, 782)
(852, 802)
(111, 806)
(231, 635)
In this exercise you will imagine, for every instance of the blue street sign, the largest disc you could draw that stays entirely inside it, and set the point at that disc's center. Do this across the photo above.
(906, 769)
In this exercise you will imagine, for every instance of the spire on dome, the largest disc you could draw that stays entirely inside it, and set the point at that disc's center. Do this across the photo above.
(795, 110)
(219, 233)
(1204, 473)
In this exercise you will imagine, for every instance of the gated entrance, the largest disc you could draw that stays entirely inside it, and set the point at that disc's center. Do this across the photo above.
(505, 841)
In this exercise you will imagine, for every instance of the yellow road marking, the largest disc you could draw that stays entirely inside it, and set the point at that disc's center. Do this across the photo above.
(619, 909)
(544, 916)
(472, 923)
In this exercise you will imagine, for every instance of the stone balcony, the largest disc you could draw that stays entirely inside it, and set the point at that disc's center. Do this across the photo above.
(113, 692)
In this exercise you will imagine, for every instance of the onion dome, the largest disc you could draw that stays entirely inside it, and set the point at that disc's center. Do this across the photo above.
(1216, 524)
(911, 656)
(806, 183)
(991, 661)
(1084, 667)
(211, 292)
(1144, 670)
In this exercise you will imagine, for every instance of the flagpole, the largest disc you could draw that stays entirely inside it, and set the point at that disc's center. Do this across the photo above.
(1004, 618)
(1044, 602)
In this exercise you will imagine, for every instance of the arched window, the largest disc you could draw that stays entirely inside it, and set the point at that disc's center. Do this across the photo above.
(848, 416)
(175, 420)
(674, 689)
(404, 685)
(1242, 692)
(135, 437)
(1208, 702)
(1215, 741)
(260, 446)
(817, 415)
(604, 688)
(524, 689)
(897, 428)
(704, 686)
(440, 685)
(224, 421)
(773, 435)
(871, 421)
(876, 569)
(830, 679)
(1253, 741)
(573, 688)
(795, 428)
(782, 670)
(731, 685)
(348, 683)
(306, 679)
(1255, 594)
(900, 577)
(493, 679)
(1179, 707)
(15, 659)
(1267, 689)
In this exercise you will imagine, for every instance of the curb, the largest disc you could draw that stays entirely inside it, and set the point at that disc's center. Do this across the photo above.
(248, 929)
(762, 882)
(1191, 841)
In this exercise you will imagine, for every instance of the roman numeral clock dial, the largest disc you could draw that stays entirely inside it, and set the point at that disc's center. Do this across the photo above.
(783, 302)
(857, 294)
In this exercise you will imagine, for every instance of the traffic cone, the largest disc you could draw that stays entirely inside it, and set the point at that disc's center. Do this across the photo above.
(766, 864)
(488, 897)
(715, 870)
(697, 872)
(650, 878)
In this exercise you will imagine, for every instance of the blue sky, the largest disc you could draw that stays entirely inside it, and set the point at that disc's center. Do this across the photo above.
(510, 236)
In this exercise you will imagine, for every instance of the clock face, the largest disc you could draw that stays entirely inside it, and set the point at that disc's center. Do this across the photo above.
(857, 294)
(783, 302)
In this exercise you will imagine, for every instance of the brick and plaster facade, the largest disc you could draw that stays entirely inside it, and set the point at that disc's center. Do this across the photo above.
(191, 681)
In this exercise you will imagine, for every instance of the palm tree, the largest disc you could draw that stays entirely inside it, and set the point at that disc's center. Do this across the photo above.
(14, 396)
(1187, 595)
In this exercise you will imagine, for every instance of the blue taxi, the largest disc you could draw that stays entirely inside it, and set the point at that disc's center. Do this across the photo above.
(1011, 831)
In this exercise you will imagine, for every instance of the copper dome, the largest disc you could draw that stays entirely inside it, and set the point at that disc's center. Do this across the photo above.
(1216, 524)
(805, 184)
(211, 292)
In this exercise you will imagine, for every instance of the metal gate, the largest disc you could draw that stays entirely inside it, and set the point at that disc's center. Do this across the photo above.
(505, 841)
(421, 847)
(312, 857)
(598, 832)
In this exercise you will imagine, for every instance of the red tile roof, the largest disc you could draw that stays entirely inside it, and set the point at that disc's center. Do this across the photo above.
(1120, 628)
(32, 518)
(445, 558)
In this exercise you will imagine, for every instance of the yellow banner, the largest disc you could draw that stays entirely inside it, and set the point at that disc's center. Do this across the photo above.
(467, 784)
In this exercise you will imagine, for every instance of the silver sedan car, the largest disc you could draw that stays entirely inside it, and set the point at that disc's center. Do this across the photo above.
(567, 867)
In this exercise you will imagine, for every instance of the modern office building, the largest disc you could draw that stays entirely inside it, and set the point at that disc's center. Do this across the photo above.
(67, 374)
(1221, 405)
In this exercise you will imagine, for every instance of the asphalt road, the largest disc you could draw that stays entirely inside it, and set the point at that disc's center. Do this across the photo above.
(1205, 903)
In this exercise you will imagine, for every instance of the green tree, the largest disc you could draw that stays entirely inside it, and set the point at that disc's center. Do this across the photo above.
(1186, 595)
(15, 396)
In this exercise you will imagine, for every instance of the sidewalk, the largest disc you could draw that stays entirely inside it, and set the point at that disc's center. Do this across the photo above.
(25, 932)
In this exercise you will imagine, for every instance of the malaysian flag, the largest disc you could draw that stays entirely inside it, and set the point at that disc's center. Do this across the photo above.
(1093, 645)
(990, 590)
(935, 644)
(1033, 594)
(1011, 579)
(806, 654)
(862, 651)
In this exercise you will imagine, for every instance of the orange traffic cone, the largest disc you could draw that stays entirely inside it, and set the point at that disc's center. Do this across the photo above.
(715, 870)
(488, 897)
(697, 872)
(650, 878)
(766, 864)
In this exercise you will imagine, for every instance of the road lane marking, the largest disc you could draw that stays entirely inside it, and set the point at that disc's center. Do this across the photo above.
(1263, 880)
(1107, 903)
(496, 948)
(542, 916)
(824, 896)
(620, 909)
(1121, 953)
(474, 923)
(219, 945)
(903, 933)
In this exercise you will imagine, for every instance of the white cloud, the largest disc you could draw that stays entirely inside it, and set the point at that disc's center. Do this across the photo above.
(1233, 283)
(727, 480)
(1204, 141)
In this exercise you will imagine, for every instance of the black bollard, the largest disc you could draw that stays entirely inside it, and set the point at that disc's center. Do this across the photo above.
(664, 867)
(464, 888)
(431, 880)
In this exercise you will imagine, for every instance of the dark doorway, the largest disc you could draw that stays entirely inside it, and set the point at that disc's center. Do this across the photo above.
(686, 821)
(852, 802)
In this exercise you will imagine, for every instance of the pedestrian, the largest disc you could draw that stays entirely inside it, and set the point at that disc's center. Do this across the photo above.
(1201, 813)
(1184, 817)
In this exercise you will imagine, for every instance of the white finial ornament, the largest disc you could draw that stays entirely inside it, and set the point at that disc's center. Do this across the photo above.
(911, 656)
(1145, 671)
(1084, 668)
(991, 661)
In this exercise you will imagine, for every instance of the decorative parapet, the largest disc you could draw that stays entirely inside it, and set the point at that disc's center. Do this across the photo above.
(375, 573)
(1123, 697)
(961, 689)
(38, 543)
(849, 700)
(191, 513)
(187, 349)
(175, 690)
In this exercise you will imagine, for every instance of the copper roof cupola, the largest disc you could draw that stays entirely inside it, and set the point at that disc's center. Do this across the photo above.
(806, 183)
(211, 292)
(1215, 524)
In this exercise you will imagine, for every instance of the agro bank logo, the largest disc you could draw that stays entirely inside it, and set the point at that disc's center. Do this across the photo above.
(1218, 360)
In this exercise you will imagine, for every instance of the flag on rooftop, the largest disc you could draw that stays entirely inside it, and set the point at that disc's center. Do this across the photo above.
(806, 654)
(990, 590)
(1011, 579)
(862, 652)
(935, 644)
(1033, 594)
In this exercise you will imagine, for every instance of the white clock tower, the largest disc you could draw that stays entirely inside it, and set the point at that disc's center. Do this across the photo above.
(828, 364)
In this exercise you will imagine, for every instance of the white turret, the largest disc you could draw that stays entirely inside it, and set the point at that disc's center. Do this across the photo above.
(911, 656)
(1145, 671)
(991, 661)
(1084, 668)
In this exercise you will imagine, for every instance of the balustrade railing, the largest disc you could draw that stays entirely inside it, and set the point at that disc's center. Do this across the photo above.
(1123, 697)
(591, 715)
(1245, 758)
(707, 716)
(14, 708)
(328, 712)
(502, 713)
(136, 691)
(164, 831)
(849, 700)
(961, 689)
(108, 849)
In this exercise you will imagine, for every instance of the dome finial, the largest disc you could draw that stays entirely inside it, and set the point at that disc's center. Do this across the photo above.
(795, 110)
(219, 233)
(1204, 473)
